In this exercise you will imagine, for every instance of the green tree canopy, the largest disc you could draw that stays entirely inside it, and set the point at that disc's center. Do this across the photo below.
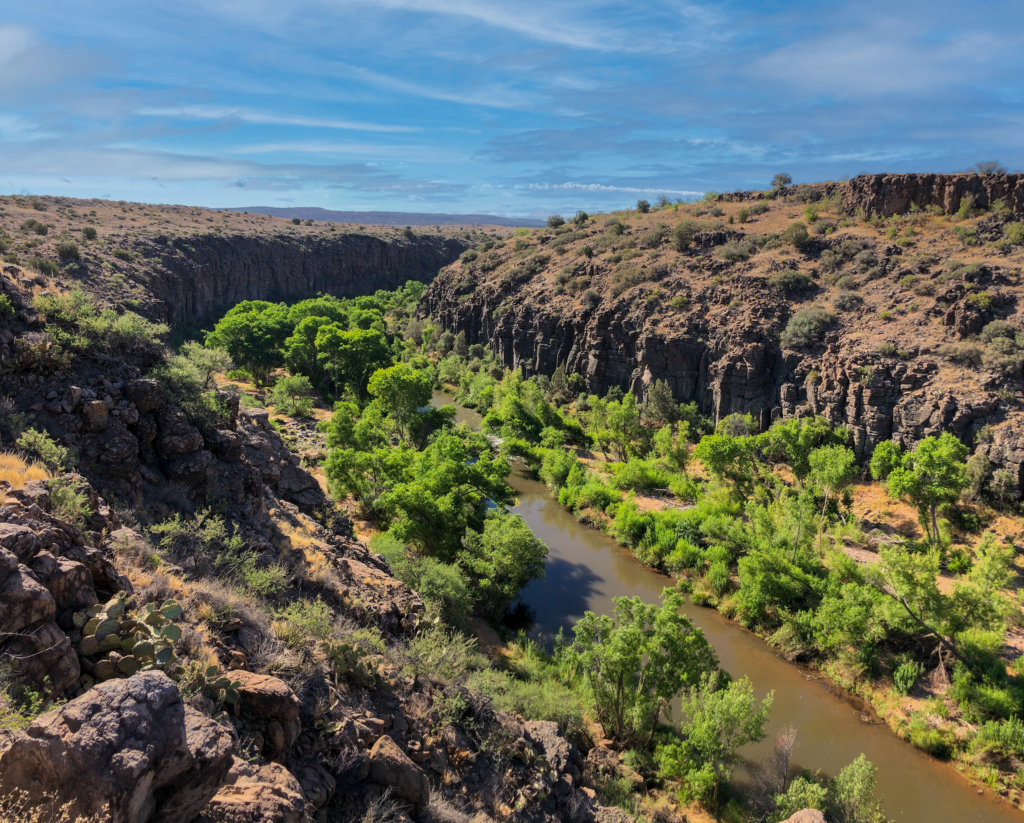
(253, 333)
(501, 560)
(400, 390)
(930, 476)
(634, 663)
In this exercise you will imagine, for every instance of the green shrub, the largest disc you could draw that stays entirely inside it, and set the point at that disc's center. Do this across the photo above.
(47, 267)
(293, 396)
(469, 255)
(847, 301)
(6, 307)
(443, 586)
(305, 621)
(67, 250)
(76, 322)
(591, 300)
(35, 227)
(824, 227)
(743, 215)
(796, 234)
(906, 675)
(791, 281)
(846, 283)
(1014, 232)
(804, 326)
(44, 448)
(682, 235)
(122, 254)
(639, 475)
(69, 503)
(89, 233)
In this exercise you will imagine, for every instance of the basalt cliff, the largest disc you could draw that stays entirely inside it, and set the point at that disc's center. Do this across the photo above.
(893, 308)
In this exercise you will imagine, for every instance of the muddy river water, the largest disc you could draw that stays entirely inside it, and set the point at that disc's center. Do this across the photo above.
(586, 569)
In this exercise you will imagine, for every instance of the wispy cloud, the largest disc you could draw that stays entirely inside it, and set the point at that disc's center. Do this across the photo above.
(268, 118)
(601, 188)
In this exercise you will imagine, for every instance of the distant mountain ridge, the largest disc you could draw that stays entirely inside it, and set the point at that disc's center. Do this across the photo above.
(389, 218)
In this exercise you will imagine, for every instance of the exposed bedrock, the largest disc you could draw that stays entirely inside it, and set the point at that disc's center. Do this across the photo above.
(191, 277)
(729, 370)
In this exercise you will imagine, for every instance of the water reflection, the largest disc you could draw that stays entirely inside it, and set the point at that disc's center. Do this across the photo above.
(586, 569)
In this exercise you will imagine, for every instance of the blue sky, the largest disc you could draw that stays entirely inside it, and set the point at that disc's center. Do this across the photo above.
(513, 108)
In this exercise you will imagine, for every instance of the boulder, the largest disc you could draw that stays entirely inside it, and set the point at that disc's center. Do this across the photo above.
(126, 751)
(806, 816)
(269, 704)
(256, 794)
(67, 580)
(175, 435)
(563, 757)
(42, 655)
(23, 599)
(21, 541)
(391, 767)
(611, 814)
(94, 415)
(147, 395)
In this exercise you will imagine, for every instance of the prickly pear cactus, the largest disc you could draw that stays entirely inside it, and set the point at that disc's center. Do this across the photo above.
(124, 642)
(355, 663)
(216, 685)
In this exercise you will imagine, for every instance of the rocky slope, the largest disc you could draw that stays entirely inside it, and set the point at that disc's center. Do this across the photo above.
(255, 717)
(615, 302)
(178, 264)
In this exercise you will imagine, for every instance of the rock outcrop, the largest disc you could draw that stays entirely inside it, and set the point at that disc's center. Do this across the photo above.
(192, 276)
(127, 751)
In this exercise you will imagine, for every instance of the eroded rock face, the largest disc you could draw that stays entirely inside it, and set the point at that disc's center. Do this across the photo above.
(806, 816)
(391, 767)
(271, 709)
(256, 794)
(128, 751)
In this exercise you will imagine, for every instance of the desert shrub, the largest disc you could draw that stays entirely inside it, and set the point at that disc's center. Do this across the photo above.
(736, 250)
(682, 235)
(1014, 232)
(804, 326)
(44, 448)
(35, 227)
(469, 255)
(981, 299)
(791, 281)
(1004, 357)
(122, 254)
(47, 267)
(846, 283)
(591, 299)
(886, 349)
(200, 538)
(652, 238)
(964, 354)
(824, 227)
(293, 396)
(89, 233)
(743, 215)
(796, 234)
(69, 502)
(77, 322)
(830, 261)
(555, 220)
(997, 329)
(442, 654)
(643, 206)
(67, 250)
(847, 301)
(760, 208)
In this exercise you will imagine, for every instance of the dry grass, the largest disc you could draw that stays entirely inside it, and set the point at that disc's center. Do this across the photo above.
(17, 807)
(15, 470)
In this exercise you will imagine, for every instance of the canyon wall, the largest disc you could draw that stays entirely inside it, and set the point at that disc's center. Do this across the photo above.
(192, 276)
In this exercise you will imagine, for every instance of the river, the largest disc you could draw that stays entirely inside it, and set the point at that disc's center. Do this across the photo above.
(586, 569)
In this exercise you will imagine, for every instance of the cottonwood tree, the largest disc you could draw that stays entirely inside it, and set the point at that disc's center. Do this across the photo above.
(717, 719)
(634, 663)
(930, 476)
(252, 333)
(399, 391)
(832, 468)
